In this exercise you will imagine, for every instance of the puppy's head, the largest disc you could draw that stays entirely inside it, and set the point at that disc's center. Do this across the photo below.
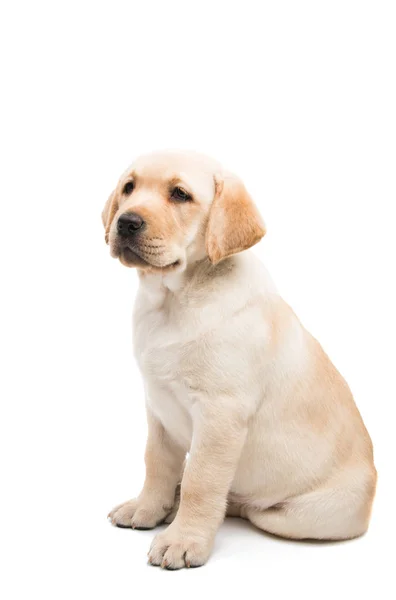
(171, 209)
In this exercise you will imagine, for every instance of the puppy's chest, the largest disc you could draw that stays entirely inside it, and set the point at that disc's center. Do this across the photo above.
(165, 357)
(164, 351)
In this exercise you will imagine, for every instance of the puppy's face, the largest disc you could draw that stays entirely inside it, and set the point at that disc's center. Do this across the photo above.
(171, 209)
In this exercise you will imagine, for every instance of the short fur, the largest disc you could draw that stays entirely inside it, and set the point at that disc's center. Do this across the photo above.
(231, 376)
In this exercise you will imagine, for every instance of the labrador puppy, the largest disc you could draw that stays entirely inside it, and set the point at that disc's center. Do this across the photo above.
(231, 376)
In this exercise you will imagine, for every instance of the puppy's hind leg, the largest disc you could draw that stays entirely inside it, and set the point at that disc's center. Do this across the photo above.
(324, 514)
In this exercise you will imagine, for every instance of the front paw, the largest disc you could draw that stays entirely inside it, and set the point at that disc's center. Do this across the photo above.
(173, 549)
(139, 514)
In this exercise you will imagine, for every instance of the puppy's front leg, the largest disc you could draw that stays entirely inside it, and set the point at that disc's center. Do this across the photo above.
(164, 463)
(218, 439)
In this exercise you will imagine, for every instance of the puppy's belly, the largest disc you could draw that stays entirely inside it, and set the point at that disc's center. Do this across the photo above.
(171, 405)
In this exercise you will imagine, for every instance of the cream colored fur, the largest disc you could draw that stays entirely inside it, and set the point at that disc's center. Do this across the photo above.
(231, 376)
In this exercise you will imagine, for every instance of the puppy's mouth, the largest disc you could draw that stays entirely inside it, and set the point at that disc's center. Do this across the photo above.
(130, 258)
(143, 258)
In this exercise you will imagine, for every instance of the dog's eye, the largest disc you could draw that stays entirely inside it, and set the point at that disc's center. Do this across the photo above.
(180, 195)
(128, 188)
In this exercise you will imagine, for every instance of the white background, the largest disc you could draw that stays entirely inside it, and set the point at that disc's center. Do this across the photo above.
(299, 99)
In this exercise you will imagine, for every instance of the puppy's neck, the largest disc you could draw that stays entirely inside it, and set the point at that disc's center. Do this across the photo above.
(237, 278)
(174, 281)
(157, 283)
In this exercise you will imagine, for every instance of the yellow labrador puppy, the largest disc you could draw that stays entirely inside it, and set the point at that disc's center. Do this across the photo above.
(231, 376)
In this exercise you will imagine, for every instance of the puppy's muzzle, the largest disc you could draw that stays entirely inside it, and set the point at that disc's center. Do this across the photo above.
(129, 223)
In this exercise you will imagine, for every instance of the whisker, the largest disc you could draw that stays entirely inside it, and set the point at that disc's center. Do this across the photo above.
(176, 223)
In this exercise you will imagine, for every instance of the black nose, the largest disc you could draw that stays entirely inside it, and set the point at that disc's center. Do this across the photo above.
(129, 223)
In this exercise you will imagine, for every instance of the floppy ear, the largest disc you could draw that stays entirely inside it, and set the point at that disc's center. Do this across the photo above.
(234, 221)
(108, 213)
